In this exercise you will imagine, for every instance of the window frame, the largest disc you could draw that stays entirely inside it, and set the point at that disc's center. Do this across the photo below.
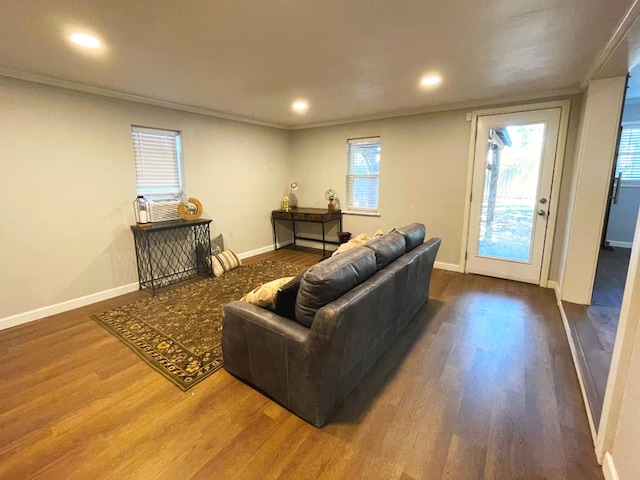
(169, 196)
(633, 182)
(352, 209)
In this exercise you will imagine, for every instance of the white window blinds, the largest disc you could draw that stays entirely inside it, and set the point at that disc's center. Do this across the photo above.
(363, 174)
(629, 155)
(157, 161)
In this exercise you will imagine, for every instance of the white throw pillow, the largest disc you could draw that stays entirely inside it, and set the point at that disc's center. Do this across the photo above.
(263, 295)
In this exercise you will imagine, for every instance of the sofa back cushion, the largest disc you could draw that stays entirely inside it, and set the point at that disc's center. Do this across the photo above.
(387, 248)
(330, 279)
(414, 234)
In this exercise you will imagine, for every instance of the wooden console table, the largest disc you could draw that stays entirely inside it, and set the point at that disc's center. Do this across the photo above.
(312, 215)
(172, 251)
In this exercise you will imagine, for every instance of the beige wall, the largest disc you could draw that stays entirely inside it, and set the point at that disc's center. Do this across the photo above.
(568, 172)
(67, 172)
(625, 443)
(423, 174)
(594, 161)
(619, 429)
(68, 181)
(631, 111)
(622, 219)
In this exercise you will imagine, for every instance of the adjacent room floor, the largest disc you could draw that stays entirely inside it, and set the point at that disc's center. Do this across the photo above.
(481, 385)
(593, 327)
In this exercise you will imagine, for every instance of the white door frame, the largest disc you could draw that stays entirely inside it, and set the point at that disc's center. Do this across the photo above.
(564, 106)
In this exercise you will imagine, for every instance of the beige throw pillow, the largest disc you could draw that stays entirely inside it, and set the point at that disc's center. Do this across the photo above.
(354, 242)
(263, 295)
(224, 261)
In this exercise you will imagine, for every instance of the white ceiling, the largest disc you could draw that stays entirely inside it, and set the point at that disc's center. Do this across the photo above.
(350, 59)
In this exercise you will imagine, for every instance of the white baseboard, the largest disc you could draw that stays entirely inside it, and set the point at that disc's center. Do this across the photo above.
(555, 287)
(609, 468)
(574, 357)
(284, 244)
(43, 312)
(317, 244)
(257, 251)
(452, 267)
(615, 243)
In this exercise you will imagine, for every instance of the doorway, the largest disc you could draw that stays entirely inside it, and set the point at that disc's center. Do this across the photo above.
(594, 327)
(513, 169)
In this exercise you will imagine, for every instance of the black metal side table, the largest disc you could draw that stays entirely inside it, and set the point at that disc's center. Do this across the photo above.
(172, 251)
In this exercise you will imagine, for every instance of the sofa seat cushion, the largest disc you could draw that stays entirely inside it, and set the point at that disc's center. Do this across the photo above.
(414, 234)
(328, 280)
(387, 248)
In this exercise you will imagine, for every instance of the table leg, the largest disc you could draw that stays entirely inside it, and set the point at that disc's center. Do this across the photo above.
(275, 238)
(324, 245)
(293, 225)
(150, 260)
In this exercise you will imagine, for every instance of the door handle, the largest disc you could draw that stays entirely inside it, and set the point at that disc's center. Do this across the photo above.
(617, 181)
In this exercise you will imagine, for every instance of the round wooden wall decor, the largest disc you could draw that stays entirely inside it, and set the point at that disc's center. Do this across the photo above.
(190, 210)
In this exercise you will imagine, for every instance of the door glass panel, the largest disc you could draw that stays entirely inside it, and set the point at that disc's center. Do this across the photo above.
(509, 203)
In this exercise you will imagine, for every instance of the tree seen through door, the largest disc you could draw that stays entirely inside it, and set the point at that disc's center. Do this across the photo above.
(510, 191)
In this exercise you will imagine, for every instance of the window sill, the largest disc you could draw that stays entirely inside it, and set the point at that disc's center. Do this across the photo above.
(363, 214)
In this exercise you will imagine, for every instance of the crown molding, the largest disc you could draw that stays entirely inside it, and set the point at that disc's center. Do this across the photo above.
(446, 108)
(54, 82)
(614, 42)
(29, 77)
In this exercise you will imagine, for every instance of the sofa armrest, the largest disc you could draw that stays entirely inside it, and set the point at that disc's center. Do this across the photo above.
(256, 344)
(266, 319)
(279, 356)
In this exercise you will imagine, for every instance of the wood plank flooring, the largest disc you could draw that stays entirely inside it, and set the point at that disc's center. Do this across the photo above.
(594, 327)
(479, 386)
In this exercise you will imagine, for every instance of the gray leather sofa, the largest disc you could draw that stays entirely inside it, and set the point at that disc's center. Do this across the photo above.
(349, 309)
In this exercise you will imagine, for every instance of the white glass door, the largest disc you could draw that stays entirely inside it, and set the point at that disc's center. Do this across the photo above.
(512, 176)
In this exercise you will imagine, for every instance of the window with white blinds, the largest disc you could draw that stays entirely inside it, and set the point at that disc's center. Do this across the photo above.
(629, 155)
(157, 156)
(363, 174)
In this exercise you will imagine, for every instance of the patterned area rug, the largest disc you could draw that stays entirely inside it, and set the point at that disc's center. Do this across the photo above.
(178, 332)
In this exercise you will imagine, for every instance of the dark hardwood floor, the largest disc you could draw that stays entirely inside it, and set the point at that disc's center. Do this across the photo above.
(593, 327)
(480, 385)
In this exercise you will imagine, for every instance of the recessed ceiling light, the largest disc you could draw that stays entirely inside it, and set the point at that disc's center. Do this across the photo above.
(430, 80)
(85, 40)
(300, 106)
